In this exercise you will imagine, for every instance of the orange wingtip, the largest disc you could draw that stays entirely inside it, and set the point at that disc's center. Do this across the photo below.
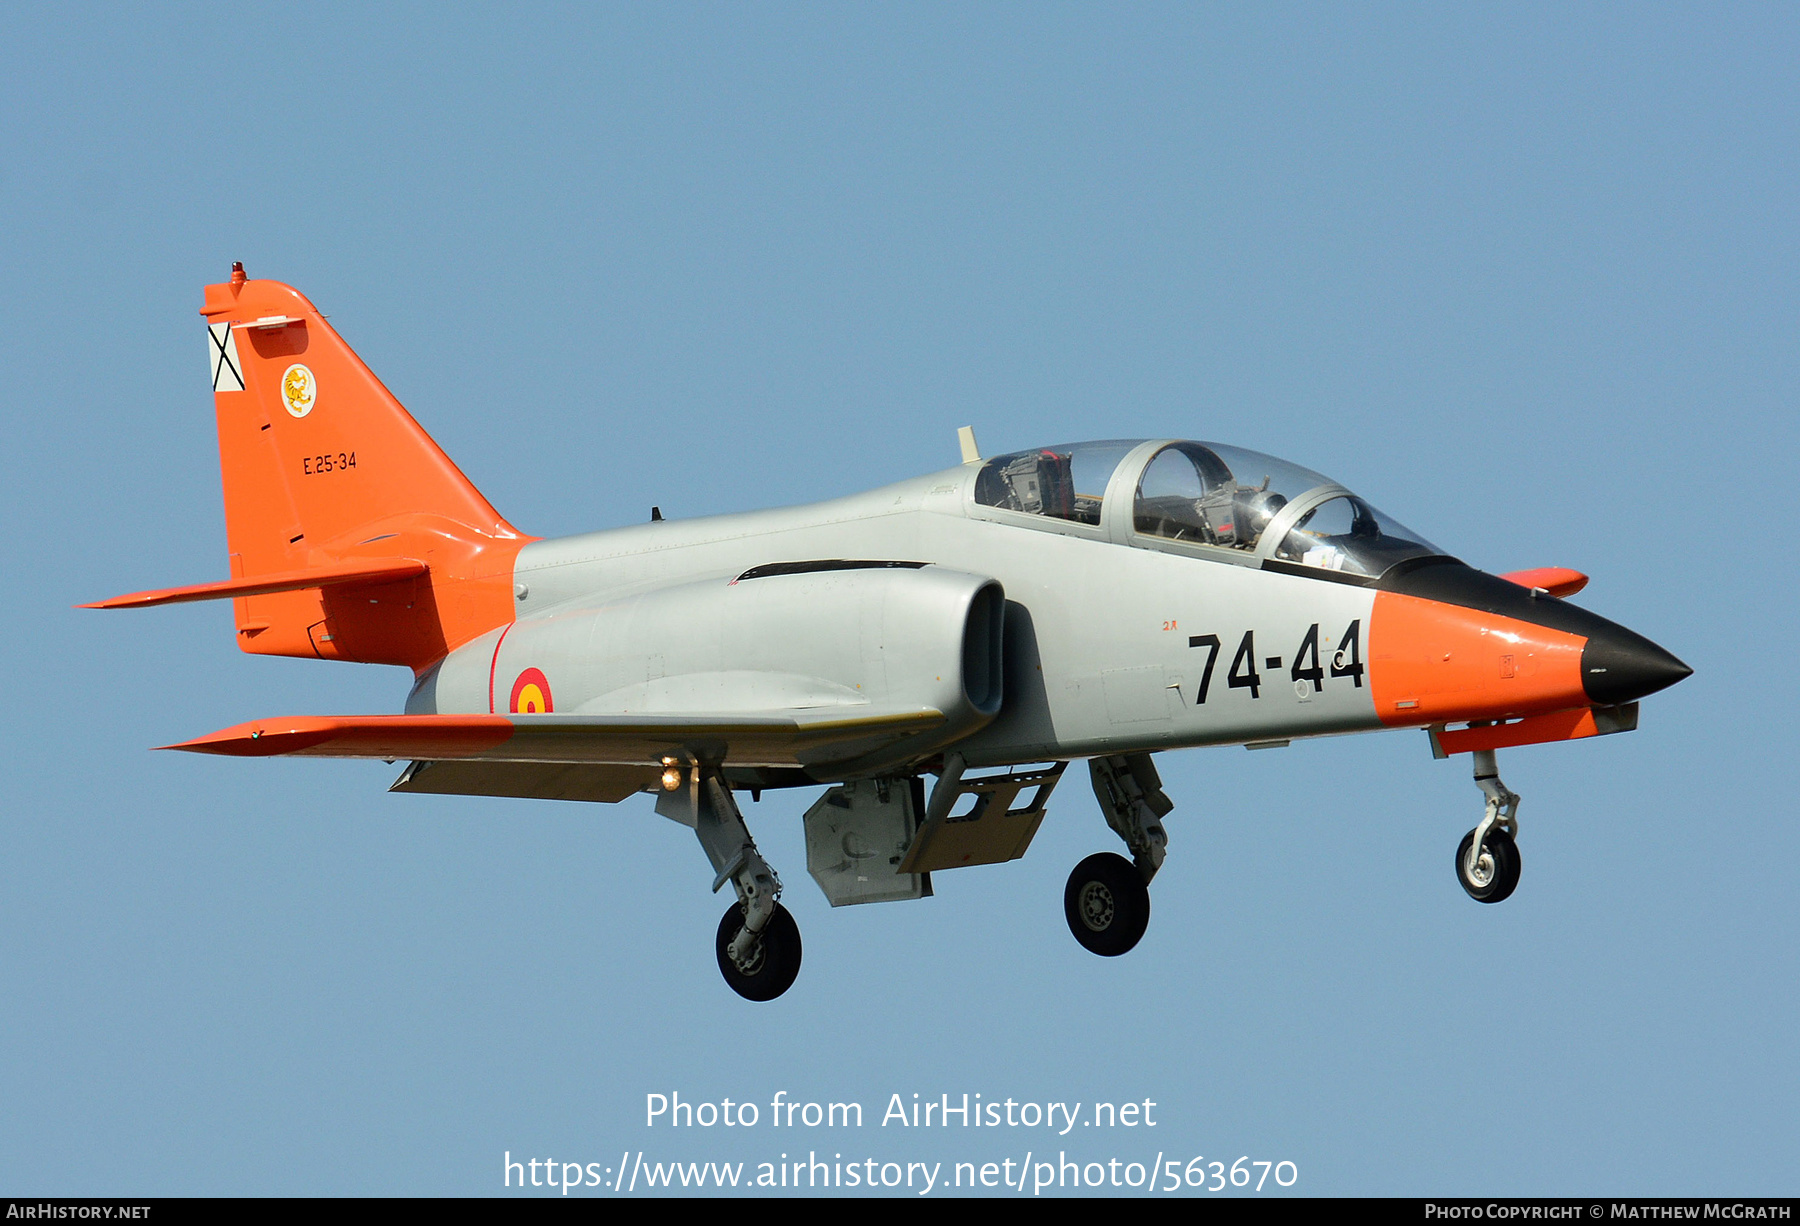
(1557, 580)
(385, 571)
(357, 736)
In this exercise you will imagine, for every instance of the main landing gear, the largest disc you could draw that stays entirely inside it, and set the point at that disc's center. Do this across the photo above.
(1487, 860)
(1107, 900)
(758, 942)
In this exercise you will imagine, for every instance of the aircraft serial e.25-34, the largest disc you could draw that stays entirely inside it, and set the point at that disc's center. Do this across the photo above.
(987, 624)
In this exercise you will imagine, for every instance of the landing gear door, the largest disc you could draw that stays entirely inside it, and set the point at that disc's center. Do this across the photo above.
(856, 836)
(992, 829)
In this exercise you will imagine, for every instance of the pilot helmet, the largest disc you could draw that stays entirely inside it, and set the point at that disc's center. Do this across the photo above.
(1259, 507)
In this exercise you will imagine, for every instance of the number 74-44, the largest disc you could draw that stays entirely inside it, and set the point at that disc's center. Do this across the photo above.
(1307, 665)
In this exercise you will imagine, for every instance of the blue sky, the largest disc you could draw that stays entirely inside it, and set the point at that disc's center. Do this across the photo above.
(1524, 276)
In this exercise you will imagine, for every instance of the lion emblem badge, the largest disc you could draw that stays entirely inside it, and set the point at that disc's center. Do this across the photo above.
(299, 390)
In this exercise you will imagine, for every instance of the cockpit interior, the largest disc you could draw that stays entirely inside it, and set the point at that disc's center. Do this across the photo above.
(1207, 498)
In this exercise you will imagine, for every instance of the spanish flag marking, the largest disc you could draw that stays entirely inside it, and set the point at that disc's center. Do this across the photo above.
(531, 694)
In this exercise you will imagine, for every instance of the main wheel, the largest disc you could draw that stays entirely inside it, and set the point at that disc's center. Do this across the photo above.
(1107, 904)
(1496, 870)
(776, 963)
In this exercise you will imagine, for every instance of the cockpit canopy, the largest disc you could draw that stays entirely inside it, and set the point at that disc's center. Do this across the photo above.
(1208, 495)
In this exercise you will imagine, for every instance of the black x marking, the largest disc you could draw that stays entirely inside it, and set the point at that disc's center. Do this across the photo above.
(224, 358)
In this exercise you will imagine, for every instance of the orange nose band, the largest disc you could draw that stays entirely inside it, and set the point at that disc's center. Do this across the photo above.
(1435, 663)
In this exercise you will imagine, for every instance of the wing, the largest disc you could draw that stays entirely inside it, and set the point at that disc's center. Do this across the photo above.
(775, 739)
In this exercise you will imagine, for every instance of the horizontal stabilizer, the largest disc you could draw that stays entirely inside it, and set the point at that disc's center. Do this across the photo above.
(388, 570)
(776, 739)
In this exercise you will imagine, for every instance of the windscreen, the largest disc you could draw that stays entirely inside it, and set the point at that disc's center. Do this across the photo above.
(1347, 534)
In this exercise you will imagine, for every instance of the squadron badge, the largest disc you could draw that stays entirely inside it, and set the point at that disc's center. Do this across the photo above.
(299, 390)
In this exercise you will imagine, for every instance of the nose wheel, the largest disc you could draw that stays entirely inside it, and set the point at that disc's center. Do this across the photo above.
(1107, 904)
(1490, 874)
(1487, 859)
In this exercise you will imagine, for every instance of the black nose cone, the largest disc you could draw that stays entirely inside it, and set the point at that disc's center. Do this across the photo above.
(1620, 666)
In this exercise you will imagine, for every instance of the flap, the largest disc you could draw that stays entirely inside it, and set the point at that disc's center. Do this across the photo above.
(590, 782)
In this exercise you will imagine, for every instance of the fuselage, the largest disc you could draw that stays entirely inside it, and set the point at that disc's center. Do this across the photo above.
(1115, 640)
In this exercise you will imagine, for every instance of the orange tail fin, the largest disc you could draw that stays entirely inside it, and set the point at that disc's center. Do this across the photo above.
(325, 472)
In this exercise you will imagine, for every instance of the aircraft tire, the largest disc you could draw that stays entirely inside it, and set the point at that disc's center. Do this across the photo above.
(1107, 904)
(781, 955)
(1505, 877)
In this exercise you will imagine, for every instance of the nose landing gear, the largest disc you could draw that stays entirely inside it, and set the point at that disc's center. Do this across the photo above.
(1487, 860)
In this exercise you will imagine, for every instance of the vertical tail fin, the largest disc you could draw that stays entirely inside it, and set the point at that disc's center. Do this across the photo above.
(323, 468)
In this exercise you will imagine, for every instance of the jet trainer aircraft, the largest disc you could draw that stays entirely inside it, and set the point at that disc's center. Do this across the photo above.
(986, 625)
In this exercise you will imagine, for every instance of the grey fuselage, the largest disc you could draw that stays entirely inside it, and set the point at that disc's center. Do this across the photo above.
(1109, 636)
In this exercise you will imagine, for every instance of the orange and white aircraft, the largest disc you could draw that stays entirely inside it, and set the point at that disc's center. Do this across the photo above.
(986, 625)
